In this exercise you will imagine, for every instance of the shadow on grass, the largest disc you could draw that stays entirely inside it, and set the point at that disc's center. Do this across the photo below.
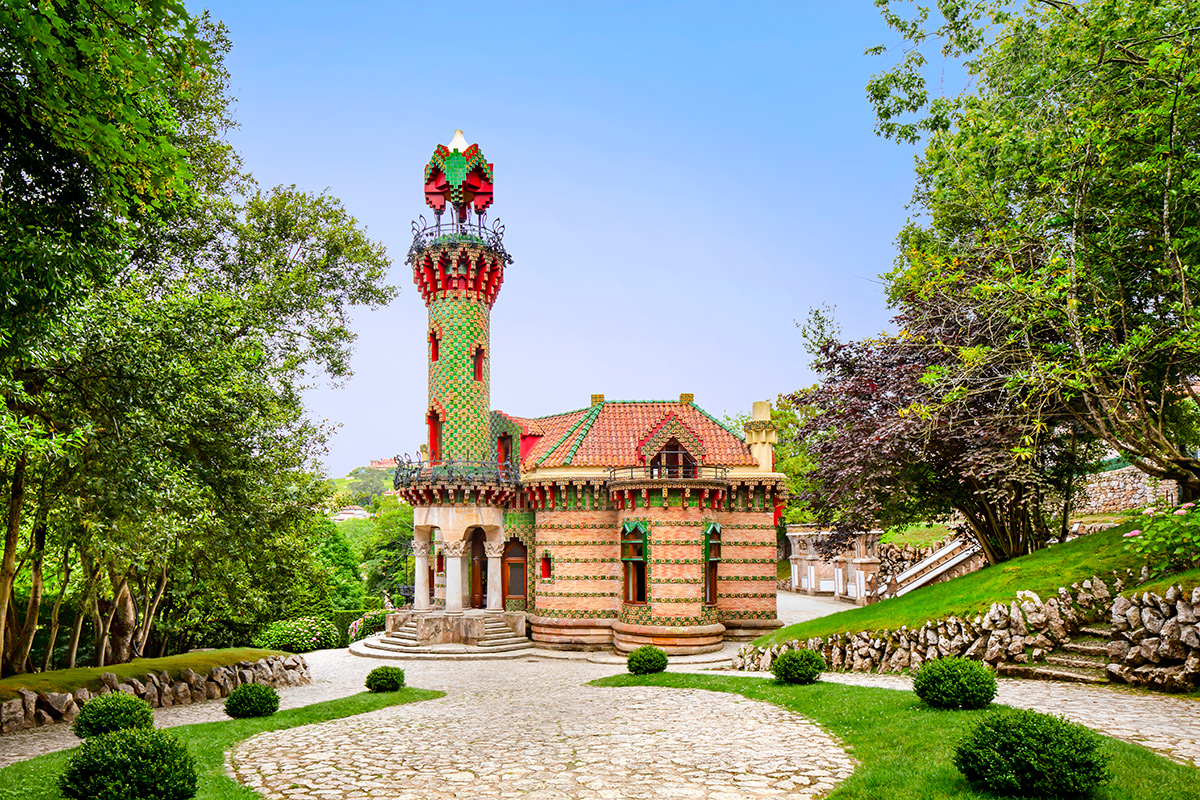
(37, 778)
(905, 749)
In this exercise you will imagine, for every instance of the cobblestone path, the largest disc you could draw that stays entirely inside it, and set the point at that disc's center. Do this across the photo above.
(1166, 724)
(532, 729)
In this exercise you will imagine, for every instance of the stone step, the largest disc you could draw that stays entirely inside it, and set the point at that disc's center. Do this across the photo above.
(1098, 649)
(507, 647)
(500, 642)
(1099, 633)
(1057, 673)
(1077, 660)
(504, 647)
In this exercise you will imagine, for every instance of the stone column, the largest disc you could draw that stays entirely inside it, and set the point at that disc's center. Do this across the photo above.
(864, 570)
(454, 576)
(420, 576)
(794, 558)
(495, 599)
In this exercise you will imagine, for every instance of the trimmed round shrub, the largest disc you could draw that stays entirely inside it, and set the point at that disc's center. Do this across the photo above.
(646, 660)
(299, 635)
(955, 683)
(117, 711)
(1024, 753)
(252, 700)
(798, 666)
(385, 679)
(369, 623)
(144, 763)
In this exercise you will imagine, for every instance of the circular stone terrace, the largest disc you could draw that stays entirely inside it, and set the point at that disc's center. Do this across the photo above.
(534, 729)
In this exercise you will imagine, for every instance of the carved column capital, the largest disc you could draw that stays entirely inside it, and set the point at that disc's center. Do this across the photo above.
(454, 549)
(421, 549)
(493, 549)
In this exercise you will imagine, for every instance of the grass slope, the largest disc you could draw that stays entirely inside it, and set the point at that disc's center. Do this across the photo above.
(36, 779)
(1042, 572)
(905, 749)
(68, 680)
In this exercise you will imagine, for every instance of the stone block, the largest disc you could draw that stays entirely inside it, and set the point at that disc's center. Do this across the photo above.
(110, 680)
(29, 699)
(12, 715)
(55, 702)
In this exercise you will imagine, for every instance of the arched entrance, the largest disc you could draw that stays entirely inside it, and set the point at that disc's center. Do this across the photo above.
(479, 570)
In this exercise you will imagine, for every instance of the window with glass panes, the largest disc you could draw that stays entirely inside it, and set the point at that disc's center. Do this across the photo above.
(634, 550)
(712, 557)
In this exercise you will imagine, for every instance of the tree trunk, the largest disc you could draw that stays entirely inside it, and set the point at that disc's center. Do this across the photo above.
(47, 660)
(121, 624)
(19, 649)
(8, 564)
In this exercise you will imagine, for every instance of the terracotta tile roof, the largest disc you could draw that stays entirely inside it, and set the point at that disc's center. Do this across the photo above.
(609, 434)
(552, 429)
(529, 427)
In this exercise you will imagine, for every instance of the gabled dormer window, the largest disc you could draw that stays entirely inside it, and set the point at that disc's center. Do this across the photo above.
(673, 461)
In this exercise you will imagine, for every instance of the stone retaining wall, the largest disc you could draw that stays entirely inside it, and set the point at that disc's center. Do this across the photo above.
(34, 709)
(1123, 489)
(1020, 632)
(1155, 641)
(895, 559)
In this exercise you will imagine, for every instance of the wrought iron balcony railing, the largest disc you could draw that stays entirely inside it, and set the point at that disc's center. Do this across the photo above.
(415, 473)
(455, 232)
(674, 473)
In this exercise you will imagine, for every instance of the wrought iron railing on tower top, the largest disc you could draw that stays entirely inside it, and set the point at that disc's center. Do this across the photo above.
(686, 472)
(457, 232)
(415, 473)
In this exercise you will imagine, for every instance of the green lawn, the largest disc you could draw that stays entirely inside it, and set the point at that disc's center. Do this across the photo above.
(904, 749)
(1187, 581)
(35, 779)
(68, 680)
(1041, 572)
(923, 534)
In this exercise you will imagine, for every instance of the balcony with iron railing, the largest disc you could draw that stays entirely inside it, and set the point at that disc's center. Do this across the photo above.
(452, 231)
(678, 472)
(417, 473)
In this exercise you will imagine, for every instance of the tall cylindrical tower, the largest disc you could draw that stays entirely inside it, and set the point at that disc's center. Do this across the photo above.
(458, 266)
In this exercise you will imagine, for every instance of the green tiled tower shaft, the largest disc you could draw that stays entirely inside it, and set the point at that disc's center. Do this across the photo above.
(462, 324)
(459, 282)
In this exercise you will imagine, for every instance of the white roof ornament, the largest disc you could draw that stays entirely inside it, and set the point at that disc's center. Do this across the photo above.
(457, 143)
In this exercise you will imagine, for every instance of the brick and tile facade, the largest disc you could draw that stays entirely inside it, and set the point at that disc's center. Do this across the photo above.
(613, 525)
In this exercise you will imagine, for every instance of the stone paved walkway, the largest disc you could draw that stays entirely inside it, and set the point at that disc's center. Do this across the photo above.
(533, 729)
(1167, 724)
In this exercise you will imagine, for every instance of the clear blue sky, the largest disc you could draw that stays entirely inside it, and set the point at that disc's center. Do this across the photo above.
(680, 182)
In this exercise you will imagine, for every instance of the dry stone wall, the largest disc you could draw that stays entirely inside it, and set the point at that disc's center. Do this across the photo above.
(1122, 489)
(1017, 633)
(34, 709)
(1155, 641)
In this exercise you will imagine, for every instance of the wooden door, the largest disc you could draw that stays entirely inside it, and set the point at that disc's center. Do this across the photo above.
(478, 571)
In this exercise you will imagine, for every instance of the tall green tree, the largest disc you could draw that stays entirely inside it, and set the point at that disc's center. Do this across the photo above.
(154, 451)
(1057, 200)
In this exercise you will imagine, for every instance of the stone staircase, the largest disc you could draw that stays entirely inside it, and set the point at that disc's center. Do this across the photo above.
(937, 564)
(499, 641)
(1083, 660)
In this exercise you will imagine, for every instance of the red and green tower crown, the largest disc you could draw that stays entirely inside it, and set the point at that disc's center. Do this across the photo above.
(460, 176)
(458, 268)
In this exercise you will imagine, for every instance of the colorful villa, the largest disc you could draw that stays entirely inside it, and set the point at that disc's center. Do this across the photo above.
(611, 526)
